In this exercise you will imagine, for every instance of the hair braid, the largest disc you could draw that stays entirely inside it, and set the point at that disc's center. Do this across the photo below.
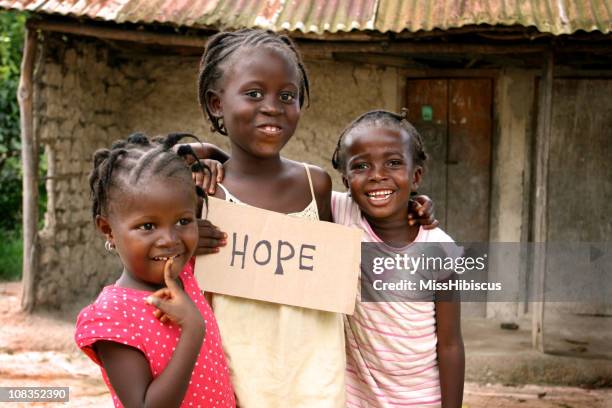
(222, 46)
(382, 118)
(128, 161)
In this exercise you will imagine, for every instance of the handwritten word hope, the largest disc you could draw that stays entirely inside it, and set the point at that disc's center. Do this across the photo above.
(265, 252)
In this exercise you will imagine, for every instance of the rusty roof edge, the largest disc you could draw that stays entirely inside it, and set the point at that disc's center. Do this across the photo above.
(105, 30)
(371, 24)
(47, 22)
(556, 28)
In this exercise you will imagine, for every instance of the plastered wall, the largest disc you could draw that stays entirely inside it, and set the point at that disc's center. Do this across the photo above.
(89, 94)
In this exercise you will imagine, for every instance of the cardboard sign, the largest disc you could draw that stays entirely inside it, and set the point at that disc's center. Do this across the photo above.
(277, 258)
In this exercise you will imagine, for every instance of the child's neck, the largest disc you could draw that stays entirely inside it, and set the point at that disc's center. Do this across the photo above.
(244, 164)
(126, 280)
(394, 230)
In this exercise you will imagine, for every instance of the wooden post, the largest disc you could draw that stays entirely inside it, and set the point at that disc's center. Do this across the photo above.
(308, 47)
(29, 160)
(540, 219)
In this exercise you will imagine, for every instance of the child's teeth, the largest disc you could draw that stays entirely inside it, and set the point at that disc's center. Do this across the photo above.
(382, 193)
(165, 258)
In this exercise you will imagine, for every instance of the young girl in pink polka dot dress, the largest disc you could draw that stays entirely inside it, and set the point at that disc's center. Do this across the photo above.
(152, 332)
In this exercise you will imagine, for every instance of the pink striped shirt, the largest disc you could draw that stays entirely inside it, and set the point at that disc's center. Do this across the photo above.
(390, 346)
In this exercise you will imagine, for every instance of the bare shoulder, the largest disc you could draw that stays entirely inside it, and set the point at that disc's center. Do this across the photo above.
(321, 180)
(321, 183)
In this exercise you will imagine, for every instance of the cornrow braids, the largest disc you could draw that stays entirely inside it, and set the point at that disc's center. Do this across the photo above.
(127, 160)
(382, 118)
(218, 53)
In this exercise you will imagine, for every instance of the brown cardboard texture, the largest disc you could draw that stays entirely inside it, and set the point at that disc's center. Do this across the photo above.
(277, 258)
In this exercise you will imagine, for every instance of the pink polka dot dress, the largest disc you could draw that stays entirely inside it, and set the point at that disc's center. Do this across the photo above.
(121, 315)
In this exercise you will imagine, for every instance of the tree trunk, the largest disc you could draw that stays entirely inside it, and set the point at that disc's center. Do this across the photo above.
(29, 160)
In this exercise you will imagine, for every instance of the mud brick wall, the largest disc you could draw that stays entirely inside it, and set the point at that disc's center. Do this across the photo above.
(78, 108)
(90, 93)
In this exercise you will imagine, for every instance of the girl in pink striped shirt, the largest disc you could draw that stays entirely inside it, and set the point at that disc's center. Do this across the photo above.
(399, 354)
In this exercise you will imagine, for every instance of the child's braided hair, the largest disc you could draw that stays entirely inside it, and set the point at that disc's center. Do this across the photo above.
(128, 160)
(218, 54)
(382, 118)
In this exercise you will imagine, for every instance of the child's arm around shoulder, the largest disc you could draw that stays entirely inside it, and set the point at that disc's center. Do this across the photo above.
(322, 185)
(209, 151)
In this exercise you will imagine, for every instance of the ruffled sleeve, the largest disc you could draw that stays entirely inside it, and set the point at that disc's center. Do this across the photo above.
(113, 317)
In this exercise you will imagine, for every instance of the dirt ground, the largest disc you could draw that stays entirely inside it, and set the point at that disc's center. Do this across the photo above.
(38, 350)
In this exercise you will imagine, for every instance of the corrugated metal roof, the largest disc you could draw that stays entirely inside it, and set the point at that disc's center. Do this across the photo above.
(331, 16)
(548, 16)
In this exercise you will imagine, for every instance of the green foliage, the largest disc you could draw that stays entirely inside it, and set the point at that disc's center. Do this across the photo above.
(11, 255)
(11, 44)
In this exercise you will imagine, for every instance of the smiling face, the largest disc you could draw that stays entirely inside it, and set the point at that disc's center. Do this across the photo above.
(380, 172)
(258, 100)
(150, 224)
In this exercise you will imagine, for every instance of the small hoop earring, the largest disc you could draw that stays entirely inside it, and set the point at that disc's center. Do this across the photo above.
(110, 247)
(220, 126)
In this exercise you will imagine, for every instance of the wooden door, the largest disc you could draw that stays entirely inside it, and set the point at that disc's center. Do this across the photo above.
(454, 116)
(580, 175)
(579, 195)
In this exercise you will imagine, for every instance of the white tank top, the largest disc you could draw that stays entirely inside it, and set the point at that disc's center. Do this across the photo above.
(279, 355)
